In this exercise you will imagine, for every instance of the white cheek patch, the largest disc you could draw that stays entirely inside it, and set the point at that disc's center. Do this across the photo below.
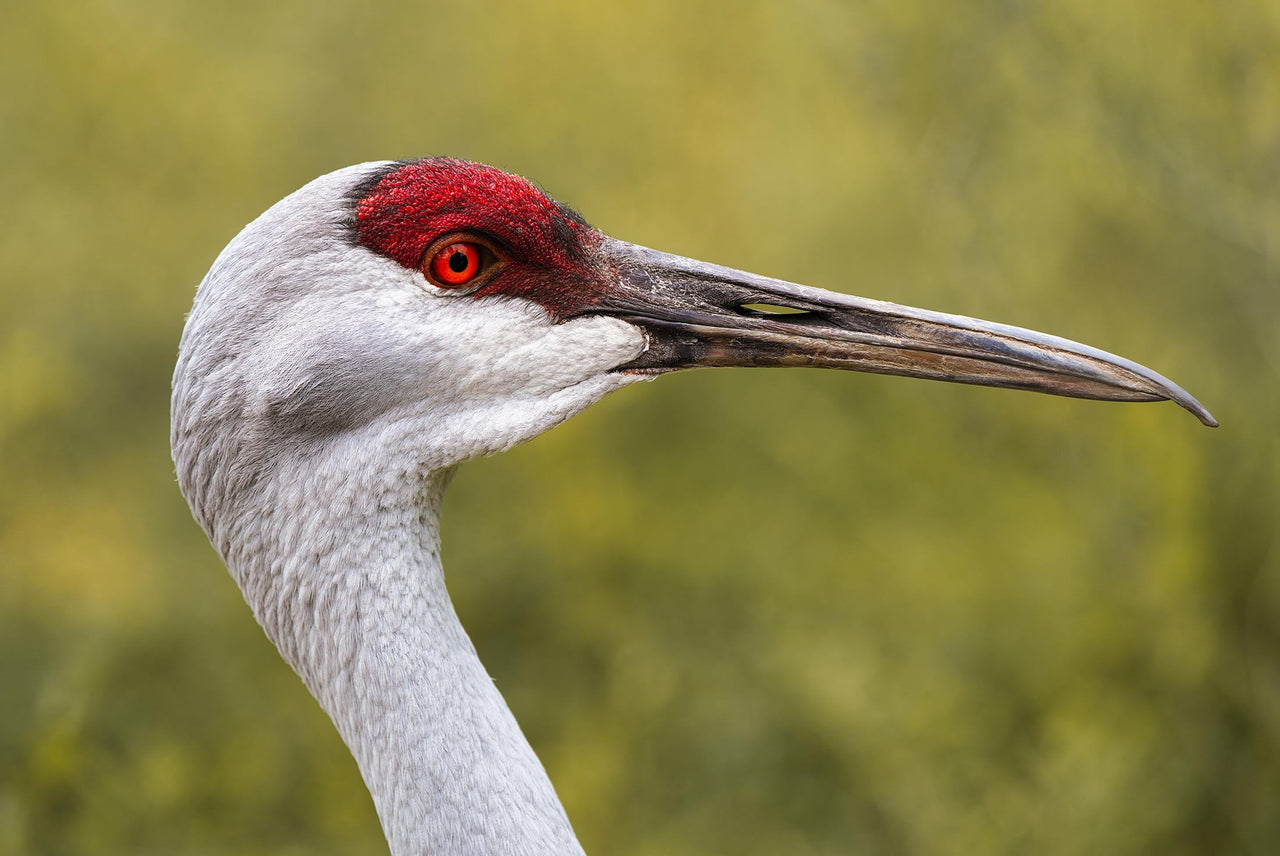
(476, 375)
(503, 372)
(571, 352)
(509, 347)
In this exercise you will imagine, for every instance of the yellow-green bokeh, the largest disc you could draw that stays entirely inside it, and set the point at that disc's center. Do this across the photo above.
(777, 612)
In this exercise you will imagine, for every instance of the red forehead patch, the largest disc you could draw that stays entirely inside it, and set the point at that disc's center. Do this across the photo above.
(419, 201)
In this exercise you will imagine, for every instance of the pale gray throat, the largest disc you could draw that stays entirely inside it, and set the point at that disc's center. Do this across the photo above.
(355, 600)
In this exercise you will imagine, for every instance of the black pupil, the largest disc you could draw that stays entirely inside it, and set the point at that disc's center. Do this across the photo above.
(458, 262)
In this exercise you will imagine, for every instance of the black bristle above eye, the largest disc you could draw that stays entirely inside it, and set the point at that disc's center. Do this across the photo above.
(570, 213)
(362, 189)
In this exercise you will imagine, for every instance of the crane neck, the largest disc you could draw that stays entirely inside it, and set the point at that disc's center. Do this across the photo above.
(356, 602)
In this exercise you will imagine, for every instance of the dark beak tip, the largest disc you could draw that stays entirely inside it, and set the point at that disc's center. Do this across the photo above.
(1188, 402)
(1204, 415)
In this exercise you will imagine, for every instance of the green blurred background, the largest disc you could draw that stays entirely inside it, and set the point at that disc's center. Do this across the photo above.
(738, 612)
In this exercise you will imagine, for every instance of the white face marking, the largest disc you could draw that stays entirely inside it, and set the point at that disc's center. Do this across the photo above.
(496, 369)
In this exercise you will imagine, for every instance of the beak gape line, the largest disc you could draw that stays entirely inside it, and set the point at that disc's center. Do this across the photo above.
(700, 314)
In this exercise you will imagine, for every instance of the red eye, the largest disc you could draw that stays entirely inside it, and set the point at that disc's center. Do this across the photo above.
(456, 264)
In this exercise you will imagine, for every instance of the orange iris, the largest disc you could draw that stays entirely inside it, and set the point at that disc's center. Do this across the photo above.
(456, 264)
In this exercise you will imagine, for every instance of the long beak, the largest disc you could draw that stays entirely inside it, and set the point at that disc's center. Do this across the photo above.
(699, 314)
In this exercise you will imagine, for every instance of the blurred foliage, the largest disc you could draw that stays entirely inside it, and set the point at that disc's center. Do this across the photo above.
(736, 612)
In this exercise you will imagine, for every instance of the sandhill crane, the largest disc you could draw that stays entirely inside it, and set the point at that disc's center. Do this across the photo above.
(389, 321)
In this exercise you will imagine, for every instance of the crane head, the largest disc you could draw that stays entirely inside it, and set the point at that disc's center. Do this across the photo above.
(456, 309)
(474, 230)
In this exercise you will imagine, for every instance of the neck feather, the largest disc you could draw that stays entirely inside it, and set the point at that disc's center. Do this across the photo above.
(355, 600)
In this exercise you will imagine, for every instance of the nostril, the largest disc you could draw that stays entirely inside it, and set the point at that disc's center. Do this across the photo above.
(758, 309)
